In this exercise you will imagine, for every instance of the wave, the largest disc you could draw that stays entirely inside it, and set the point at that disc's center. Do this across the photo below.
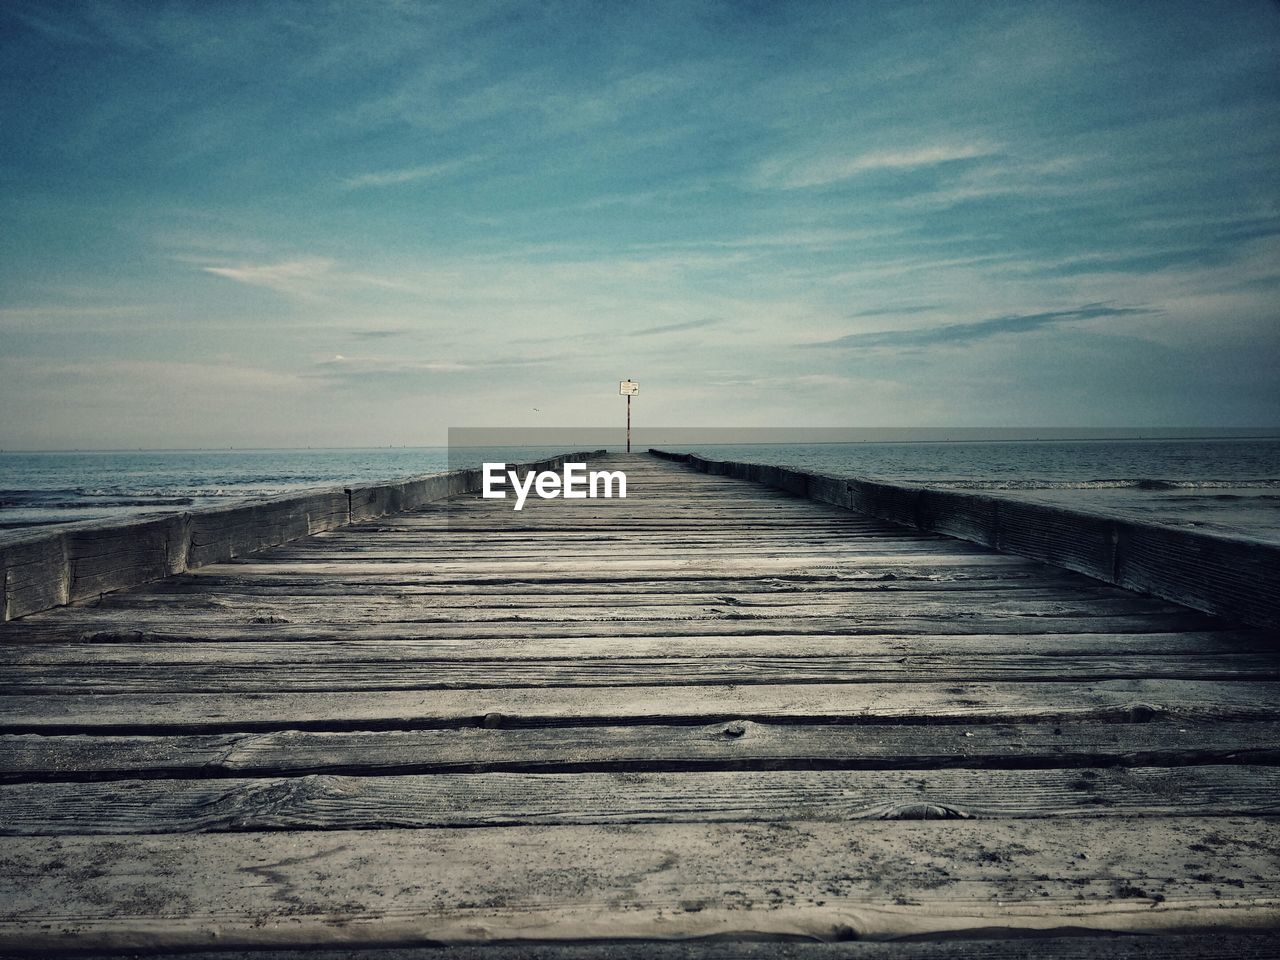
(1140, 483)
(71, 499)
(53, 504)
(127, 496)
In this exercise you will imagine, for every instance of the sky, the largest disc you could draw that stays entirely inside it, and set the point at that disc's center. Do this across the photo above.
(360, 224)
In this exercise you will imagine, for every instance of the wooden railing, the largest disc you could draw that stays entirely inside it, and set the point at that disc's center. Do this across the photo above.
(1231, 576)
(50, 567)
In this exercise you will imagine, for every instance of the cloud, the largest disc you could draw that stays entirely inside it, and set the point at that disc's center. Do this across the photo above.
(297, 277)
(980, 329)
(805, 380)
(345, 369)
(797, 173)
(309, 278)
(898, 311)
(674, 327)
(395, 178)
(385, 334)
(342, 366)
(147, 376)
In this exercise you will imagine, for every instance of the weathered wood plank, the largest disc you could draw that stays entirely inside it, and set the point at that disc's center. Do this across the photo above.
(992, 575)
(328, 802)
(830, 881)
(866, 595)
(874, 608)
(522, 706)
(567, 567)
(235, 530)
(1216, 946)
(31, 679)
(76, 561)
(727, 623)
(735, 745)
(606, 645)
(303, 588)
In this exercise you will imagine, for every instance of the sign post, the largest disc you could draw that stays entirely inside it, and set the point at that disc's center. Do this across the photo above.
(628, 389)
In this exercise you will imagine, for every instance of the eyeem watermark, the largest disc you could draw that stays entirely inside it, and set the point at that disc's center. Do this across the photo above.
(573, 483)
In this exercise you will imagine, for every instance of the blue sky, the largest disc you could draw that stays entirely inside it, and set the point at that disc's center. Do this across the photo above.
(349, 224)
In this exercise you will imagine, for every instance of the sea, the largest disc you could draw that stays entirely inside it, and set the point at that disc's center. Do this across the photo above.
(1230, 486)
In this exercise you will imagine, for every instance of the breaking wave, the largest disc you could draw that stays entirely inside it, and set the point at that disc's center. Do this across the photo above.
(1141, 483)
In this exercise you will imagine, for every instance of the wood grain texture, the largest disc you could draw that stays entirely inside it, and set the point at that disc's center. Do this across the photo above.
(331, 802)
(1011, 702)
(731, 745)
(825, 881)
(1216, 946)
(469, 674)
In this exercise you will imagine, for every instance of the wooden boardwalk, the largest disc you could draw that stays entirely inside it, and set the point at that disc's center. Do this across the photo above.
(709, 710)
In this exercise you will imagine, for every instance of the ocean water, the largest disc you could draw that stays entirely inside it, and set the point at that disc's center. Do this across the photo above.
(1030, 464)
(1230, 485)
(61, 487)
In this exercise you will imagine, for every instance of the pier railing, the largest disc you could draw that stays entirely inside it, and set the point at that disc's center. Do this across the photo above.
(50, 567)
(1232, 576)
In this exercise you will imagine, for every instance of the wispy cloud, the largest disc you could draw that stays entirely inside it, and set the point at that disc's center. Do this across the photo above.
(395, 178)
(340, 368)
(793, 173)
(311, 278)
(380, 334)
(296, 277)
(340, 364)
(953, 333)
(898, 311)
(801, 381)
(675, 327)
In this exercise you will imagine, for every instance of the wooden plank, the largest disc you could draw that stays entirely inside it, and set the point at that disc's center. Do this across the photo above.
(269, 564)
(829, 881)
(727, 623)
(522, 706)
(607, 645)
(735, 745)
(223, 532)
(329, 802)
(599, 569)
(235, 577)
(35, 573)
(873, 607)
(32, 679)
(1216, 946)
(77, 561)
(770, 603)
(305, 591)
(303, 588)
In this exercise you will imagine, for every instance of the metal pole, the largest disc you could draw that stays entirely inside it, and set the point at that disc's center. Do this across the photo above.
(628, 423)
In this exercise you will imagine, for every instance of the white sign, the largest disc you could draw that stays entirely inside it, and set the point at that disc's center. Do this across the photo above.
(628, 388)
